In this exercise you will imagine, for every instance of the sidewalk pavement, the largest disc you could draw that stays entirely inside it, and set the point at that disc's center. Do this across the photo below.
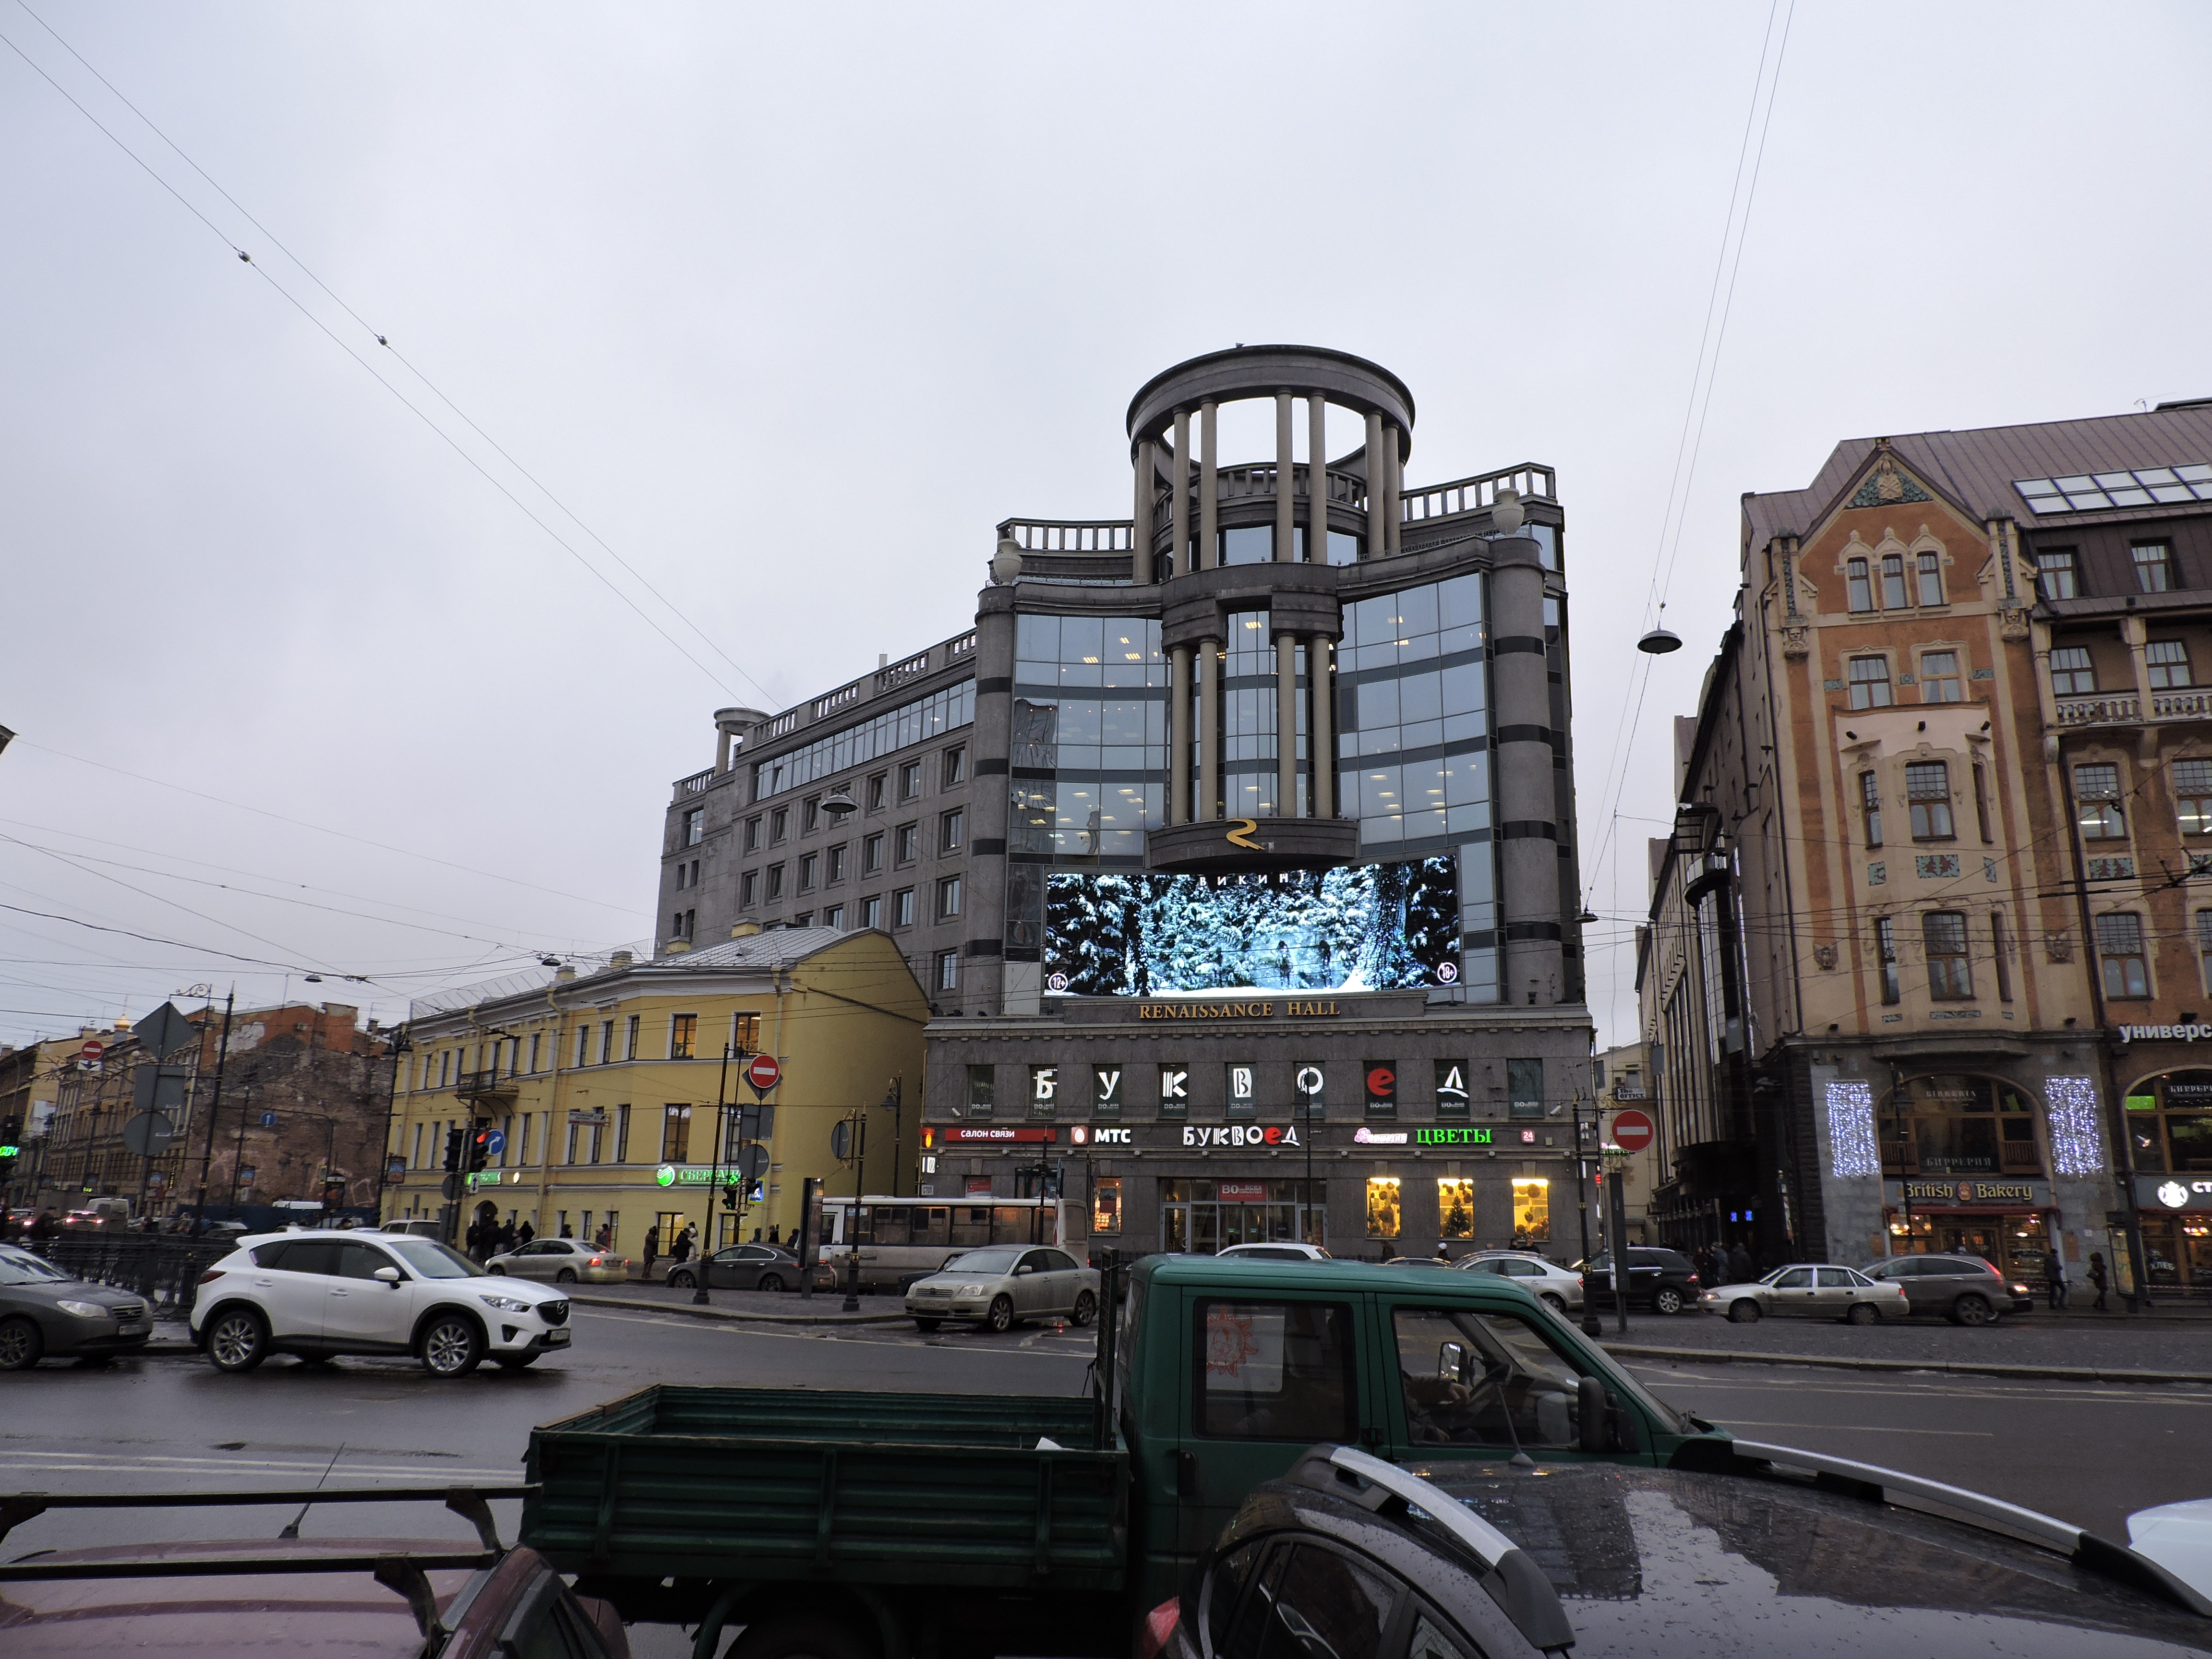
(756, 1307)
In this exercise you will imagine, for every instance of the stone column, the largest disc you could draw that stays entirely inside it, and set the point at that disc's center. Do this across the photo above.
(1317, 479)
(1320, 743)
(1286, 724)
(1209, 508)
(1285, 482)
(1394, 464)
(1179, 735)
(1208, 804)
(1377, 487)
(1526, 798)
(1140, 518)
(1180, 475)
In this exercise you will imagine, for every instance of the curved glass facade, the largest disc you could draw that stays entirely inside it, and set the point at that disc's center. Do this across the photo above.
(1090, 738)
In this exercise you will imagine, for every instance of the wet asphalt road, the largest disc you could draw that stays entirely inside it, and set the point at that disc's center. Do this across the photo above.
(2087, 1452)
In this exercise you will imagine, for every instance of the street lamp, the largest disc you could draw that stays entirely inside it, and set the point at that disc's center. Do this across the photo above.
(699, 1297)
(896, 1105)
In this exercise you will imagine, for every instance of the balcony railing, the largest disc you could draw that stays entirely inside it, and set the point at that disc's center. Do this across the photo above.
(485, 1086)
(2115, 708)
(1068, 535)
(697, 784)
(1472, 494)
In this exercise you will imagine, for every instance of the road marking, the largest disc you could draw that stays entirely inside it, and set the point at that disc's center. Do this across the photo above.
(2128, 1394)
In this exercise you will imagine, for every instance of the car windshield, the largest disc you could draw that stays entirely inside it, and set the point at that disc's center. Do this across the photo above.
(21, 1267)
(432, 1260)
(986, 1261)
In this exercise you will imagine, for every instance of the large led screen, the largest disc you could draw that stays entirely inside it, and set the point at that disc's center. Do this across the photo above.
(1370, 928)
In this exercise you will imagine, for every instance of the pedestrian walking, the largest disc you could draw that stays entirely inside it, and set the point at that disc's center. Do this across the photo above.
(681, 1249)
(1739, 1265)
(2099, 1278)
(604, 1238)
(525, 1232)
(506, 1238)
(2054, 1265)
(652, 1246)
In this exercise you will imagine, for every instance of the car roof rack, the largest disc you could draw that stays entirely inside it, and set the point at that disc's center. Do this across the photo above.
(1512, 1578)
(2084, 1549)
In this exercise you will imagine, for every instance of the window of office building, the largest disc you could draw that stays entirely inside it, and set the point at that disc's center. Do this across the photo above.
(810, 815)
(902, 907)
(695, 826)
(918, 721)
(871, 911)
(775, 882)
(2120, 950)
(1928, 796)
(2072, 673)
(982, 1089)
(949, 826)
(1939, 678)
(2097, 803)
(948, 969)
(910, 777)
(1869, 682)
(1412, 680)
(909, 842)
(956, 765)
(779, 825)
(872, 854)
(948, 897)
(752, 834)
(835, 856)
(749, 890)
(809, 868)
(1090, 735)
(630, 1037)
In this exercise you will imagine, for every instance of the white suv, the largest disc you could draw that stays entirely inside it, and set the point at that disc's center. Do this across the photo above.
(321, 1294)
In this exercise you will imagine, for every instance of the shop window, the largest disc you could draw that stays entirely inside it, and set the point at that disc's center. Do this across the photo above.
(1106, 1089)
(2120, 949)
(1524, 1088)
(1954, 1124)
(1237, 1089)
(982, 1089)
(2097, 803)
(1885, 951)
(1532, 1211)
(2192, 796)
(675, 1135)
(1451, 1088)
(1308, 1090)
(1893, 594)
(1106, 1206)
(1455, 1208)
(1869, 682)
(1382, 1088)
(1927, 793)
(1857, 586)
(2168, 660)
(2170, 1124)
(1044, 1091)
(1931, 579)
(2055, 573)
(1950, 972)
(1939, 678)
(1175, 1091)
(2072, 673)
(1382, 1207)
(2153, 563)
(1274, 1370)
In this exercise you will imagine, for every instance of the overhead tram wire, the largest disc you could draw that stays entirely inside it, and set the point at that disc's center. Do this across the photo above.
(412, 407)
(1678, 489)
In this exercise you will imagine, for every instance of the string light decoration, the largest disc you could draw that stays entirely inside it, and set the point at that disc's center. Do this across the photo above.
(1851, 1148)
(2077, 1147)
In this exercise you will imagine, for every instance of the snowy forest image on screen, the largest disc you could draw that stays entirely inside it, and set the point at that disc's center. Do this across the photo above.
(1370, 928)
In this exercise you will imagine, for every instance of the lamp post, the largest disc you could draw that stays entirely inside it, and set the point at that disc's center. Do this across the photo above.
(895, 1103)
(699, 1297)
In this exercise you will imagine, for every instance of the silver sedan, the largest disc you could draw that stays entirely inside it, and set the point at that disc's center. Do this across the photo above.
(1000, 1285)
(1806, 1290)
(1546, 1281)
(563, 1262)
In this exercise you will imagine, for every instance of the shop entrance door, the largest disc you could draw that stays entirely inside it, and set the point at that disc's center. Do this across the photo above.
(1197, 1219)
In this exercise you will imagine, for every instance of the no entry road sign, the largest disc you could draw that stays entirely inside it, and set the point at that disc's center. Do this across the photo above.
(763, 1073)
(1632, 1130)
(93, 1049)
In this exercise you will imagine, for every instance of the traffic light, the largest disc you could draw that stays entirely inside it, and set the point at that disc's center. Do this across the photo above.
(730, 1196)
(480, 1147)
(453, 1149)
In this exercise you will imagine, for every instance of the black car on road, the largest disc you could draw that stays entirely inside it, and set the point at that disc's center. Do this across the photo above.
(1661, 1280)
(45, 1312)
(1766, 1551)
(748, 1268)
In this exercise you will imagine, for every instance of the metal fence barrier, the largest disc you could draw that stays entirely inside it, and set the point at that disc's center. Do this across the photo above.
(165, 1271)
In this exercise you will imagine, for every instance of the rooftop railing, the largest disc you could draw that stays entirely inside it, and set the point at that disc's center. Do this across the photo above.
(1472, 494)
(1068, 535)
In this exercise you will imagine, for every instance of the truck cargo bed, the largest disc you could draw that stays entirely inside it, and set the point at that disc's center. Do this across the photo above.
(739, 1483)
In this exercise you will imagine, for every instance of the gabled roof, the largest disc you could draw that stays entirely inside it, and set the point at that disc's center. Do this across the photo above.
(1978, 468)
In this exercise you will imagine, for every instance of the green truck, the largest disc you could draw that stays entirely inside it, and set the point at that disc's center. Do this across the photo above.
(859, 1525)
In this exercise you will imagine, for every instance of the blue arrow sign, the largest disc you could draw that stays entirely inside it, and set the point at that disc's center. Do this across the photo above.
(496, 1142)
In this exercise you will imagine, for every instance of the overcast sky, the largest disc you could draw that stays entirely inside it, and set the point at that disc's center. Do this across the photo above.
(792, 305)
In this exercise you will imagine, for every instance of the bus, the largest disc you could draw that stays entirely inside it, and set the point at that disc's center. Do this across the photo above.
(903, 1239)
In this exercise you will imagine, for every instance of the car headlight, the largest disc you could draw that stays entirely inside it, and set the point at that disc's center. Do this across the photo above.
(972, 1290)
(84, 1309)
(508, 1303)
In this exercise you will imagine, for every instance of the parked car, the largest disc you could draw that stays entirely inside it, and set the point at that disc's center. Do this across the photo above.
(1659, 1278)
(1965, 1288)
(560, 1261)
(1809, 1289)
(1547, 1281)
(748, 1268)
(421, 1226)
(321, 1294)
(45, 1311)
(1002, 1284)
(1348, 1554)
(1279, 1251)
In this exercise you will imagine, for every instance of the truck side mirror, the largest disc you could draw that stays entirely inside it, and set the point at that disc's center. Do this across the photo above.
(1593, 1409)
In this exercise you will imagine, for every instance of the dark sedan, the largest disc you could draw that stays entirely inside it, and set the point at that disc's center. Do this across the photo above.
(45, 1313)
(1662, 1279)
(748, 1268)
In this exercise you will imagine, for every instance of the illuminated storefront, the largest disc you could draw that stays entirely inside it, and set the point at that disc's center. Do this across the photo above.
(1532, 1211)
(1964, 1173)
(2169, 1118)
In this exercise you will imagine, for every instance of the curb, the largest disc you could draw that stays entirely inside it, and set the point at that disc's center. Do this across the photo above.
(732, 1316)
(2045, 1373)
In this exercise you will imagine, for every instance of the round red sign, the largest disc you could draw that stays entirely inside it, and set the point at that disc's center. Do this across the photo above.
(762, 1072)
(1632, 1130)
(92, 1049)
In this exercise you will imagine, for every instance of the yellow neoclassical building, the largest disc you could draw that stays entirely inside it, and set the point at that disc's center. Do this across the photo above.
(607, 1090)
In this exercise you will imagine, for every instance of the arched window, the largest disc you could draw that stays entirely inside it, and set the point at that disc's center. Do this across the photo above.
(1858, 585)
(1960, 1125)
(1894, 596)
(1931, 579)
